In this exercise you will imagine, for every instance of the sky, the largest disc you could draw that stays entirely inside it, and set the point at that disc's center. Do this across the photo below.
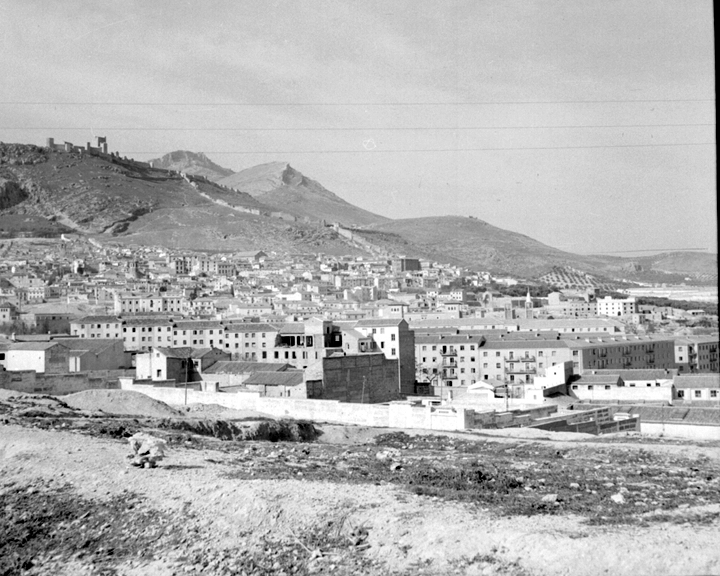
(589, 126)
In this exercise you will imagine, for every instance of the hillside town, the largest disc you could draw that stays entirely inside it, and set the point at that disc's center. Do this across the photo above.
(77, 315)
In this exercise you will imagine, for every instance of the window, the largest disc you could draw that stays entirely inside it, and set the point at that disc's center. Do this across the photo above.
(497, 365)
(698, 394)
(497, 354)
(392, 337)
(713, 393)
(392, 351)
(607, 387)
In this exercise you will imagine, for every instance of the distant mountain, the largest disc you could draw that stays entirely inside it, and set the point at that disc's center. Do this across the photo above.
(279, 185)
(475, 243)
(191, 163)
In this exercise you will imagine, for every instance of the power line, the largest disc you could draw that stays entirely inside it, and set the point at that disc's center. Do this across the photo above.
(289, 104)
(379, 150)
(359, 129)
(657, 250)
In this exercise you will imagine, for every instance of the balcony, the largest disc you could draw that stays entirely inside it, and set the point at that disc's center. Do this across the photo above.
(520, 370)
(448, 352)
(449, 376)
(520, 359)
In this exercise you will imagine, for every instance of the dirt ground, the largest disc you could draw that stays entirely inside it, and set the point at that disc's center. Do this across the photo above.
(354, 501)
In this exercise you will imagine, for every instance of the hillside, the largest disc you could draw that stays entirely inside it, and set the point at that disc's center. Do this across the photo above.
(191, 163)
(474, 243)
(279, 185)
(46, 193)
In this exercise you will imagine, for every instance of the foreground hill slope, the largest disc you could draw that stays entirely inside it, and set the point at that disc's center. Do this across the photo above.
(279, 185)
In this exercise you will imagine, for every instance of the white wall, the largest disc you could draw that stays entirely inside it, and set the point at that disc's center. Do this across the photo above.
(17, 360)
(691, 431)
(396, 414)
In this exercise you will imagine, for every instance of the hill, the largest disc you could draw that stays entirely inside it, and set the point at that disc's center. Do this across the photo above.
(191, 163)
(49, 192)
(474, 243)
(279, 185)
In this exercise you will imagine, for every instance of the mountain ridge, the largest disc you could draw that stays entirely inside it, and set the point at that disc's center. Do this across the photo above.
(281, 209)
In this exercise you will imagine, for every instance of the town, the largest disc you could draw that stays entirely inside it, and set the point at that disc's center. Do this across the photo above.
(78, 315)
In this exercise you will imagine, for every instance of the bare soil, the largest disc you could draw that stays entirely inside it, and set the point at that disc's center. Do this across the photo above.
(345, 500)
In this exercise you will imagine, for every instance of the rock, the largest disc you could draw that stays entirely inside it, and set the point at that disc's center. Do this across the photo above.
(574, 485)
(550, 498)
(147, 450)
(388, 454)
(618, 498)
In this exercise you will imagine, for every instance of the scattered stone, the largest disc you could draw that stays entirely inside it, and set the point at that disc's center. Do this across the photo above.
(618, 498)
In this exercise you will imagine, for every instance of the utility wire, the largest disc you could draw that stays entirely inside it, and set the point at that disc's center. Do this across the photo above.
(364, 104)
(380, 150)
(359, 129)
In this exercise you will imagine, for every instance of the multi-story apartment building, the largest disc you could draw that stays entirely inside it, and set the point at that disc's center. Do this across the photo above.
(621, 352)
(198, 334)
(517, 361)
(252, 341)
(576, 306)
(97, 327)
(150, 303)
(304, 343)
(610, 306)
(448, 360)
(141, 334)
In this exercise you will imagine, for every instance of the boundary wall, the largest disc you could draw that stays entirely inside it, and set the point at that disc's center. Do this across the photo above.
(401, 414)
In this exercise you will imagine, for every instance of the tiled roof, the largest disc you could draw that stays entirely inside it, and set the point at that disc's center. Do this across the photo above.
(233, 367)
(198, 325)
(709, 380)
(275, 378)
(97, 320)
(640, 374)
(374, 322)
(183, 352)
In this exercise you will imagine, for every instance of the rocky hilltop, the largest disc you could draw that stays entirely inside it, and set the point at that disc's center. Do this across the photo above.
(191, 163)
(278, 184)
